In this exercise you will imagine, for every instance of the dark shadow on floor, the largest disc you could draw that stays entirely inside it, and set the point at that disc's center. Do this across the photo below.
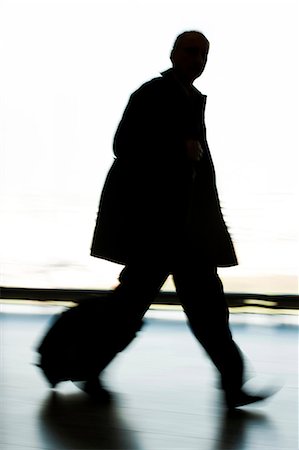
(237, 429)
(72, 421)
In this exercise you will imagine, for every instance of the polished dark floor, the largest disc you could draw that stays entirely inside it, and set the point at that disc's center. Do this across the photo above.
(164, 390)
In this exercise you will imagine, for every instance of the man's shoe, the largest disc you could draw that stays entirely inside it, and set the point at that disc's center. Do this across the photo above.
(243, 399)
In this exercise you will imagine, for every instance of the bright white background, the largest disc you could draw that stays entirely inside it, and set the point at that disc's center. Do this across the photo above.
(67, 70)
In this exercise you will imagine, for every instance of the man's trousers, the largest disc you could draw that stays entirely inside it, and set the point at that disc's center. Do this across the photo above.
(200, 292)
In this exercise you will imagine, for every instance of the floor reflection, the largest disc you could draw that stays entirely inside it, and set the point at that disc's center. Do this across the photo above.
(73, 422)
(239, 428)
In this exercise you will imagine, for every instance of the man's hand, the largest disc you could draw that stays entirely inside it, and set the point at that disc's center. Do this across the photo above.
(194, 150)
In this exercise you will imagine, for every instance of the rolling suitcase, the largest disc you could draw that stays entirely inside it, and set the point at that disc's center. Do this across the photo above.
(84, 339)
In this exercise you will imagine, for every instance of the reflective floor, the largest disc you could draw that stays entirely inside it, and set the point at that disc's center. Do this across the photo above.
(164, 390)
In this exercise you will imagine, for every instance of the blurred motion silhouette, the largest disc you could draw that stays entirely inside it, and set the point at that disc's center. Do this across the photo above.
(159, 214)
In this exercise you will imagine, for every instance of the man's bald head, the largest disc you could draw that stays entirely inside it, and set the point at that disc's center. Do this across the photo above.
(190, 36)
(189, 55)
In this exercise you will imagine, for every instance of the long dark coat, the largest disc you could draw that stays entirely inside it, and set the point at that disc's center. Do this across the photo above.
(156, 202)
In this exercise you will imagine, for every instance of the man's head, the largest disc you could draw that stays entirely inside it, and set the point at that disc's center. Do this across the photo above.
(189, 55)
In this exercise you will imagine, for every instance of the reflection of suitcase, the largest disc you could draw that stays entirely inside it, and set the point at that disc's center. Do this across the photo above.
(84, 339)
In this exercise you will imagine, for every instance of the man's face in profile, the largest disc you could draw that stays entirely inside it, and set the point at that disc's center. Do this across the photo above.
(190, 56)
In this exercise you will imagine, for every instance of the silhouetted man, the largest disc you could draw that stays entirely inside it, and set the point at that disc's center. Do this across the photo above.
(159, 213)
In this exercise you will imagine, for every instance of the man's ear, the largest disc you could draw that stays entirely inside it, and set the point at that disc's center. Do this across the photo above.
(171, 56)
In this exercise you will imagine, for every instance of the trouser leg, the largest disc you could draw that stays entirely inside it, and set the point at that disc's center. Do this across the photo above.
(139, 284)
(202, 297)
